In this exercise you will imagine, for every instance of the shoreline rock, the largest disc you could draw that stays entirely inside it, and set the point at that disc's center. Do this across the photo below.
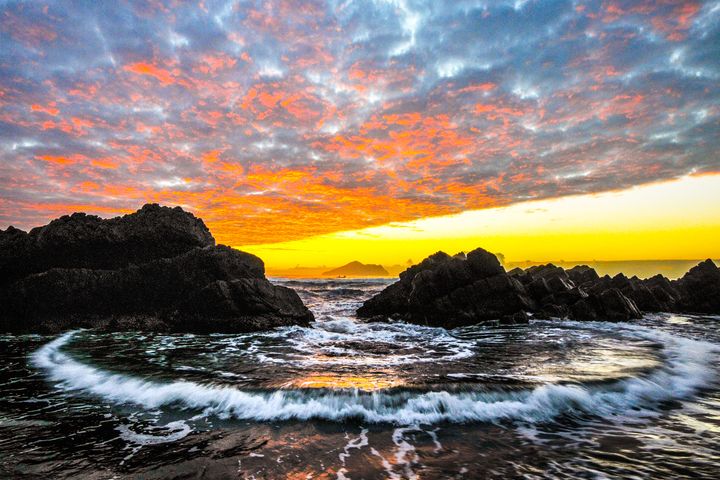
(451, 291)
(157, 269)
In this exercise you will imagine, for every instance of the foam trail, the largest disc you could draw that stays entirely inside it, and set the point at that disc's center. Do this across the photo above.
(686, 369)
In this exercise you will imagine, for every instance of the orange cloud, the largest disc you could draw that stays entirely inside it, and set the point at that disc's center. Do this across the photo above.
(51, 109)
(166, 77)
(61, 159)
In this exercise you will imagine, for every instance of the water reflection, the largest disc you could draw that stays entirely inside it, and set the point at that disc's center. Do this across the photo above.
(368, 382)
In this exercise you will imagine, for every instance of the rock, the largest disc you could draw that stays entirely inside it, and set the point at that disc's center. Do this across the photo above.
(648, 295)
(484, 264)
(609, 305)
(538, 288)
(552, 289)
(699, 289)
(451, 291)
(241, 305)
(391, 302)
(582, 275)
(518, 318)
(560, 284)
(664, 292)
(87, 241)
(551, 310)
(167, 277)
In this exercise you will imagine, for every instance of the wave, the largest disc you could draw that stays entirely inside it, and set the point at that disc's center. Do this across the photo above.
(356, 343)
(686, 369)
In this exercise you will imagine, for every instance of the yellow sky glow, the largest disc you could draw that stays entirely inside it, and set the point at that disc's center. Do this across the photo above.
(671, 220)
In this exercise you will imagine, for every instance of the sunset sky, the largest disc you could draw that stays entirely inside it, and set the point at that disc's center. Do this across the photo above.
(316, 133)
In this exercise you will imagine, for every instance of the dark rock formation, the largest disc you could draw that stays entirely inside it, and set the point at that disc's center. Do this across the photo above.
(607, 305)
(582, 275)
(156, 269)
(88, 241)
(699, 289)
(451, 291)
(357, 269)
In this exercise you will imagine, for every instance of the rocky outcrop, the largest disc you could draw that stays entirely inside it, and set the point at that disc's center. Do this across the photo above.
(699, 289)
(451, 291)
(156, 269)
(88, 241)
(577, 293)
(607, 305)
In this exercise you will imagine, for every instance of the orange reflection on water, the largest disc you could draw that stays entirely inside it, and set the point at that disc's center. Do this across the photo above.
(369, 382)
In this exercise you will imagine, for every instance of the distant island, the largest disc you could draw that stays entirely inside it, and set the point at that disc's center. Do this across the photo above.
(358, 269)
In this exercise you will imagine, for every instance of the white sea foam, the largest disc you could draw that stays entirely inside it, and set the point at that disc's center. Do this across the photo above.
(171, 432)
(356, 443)
(337, 340)
(687, 367)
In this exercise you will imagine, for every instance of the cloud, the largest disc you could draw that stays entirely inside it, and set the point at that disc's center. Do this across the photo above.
(293, 118)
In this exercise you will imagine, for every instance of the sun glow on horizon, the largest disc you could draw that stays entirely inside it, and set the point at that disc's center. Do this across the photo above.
(671, 220)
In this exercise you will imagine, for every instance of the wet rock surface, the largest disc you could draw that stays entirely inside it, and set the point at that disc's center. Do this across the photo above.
(451, 291)
(157, 269)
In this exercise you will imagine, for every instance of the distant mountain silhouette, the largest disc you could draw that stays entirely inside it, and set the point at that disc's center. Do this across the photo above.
(357, 269)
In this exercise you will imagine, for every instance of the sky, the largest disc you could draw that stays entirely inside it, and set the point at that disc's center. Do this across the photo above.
(670, 220)
(287, 121)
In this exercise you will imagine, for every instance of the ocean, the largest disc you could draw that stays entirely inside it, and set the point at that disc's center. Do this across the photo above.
(347, 399)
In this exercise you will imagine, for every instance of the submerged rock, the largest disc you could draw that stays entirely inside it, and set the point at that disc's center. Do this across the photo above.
(156, 269)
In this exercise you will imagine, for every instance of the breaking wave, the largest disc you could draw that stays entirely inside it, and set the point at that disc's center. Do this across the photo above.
(686, 368)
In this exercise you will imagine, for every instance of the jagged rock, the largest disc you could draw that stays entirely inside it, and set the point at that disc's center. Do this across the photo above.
(582, 275)
(547, 271)
(166, 274)
(552, 290)
(664, 292)
(609, 305)
(699, 289)
(647, 297)
(516, 271)
(450, 291)
(88, 241)
(539, 288)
